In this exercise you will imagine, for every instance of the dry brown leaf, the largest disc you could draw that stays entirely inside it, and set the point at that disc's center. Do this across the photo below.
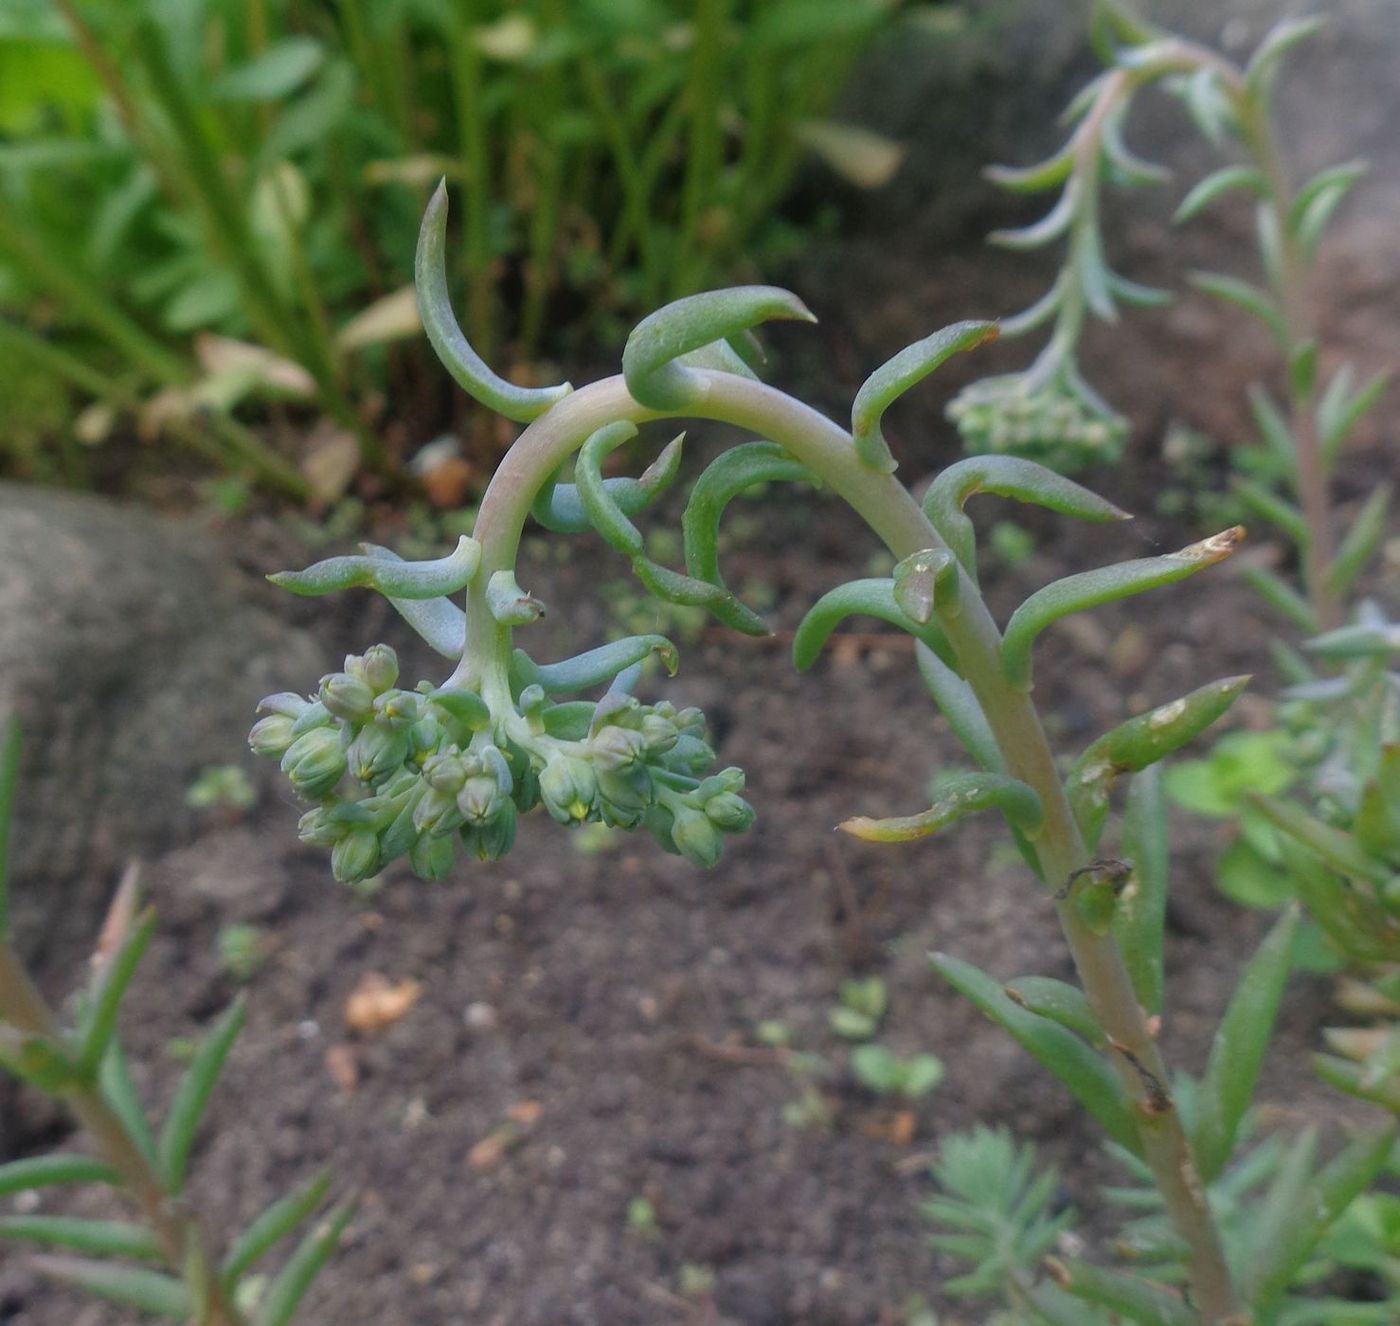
(525, 1112)
(331, 461)
(376, 1002)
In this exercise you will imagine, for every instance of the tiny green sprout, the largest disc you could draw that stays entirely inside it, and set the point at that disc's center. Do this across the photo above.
(641, 1219)
(221, 786)
(774, 1034)
(695, 1281)
(861, 1008)
(243, 950)
(888, 1074)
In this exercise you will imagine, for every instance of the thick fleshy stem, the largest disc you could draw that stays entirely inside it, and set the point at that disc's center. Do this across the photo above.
(886, 506)
(177, 1230)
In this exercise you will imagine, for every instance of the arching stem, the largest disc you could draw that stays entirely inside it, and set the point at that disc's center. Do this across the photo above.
(887, 507)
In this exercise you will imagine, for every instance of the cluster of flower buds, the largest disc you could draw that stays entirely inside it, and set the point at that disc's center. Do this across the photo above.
(1050, 422)
(422, 772)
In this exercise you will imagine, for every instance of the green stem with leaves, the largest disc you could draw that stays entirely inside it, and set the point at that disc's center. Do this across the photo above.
(887, 507)
(178, 1232)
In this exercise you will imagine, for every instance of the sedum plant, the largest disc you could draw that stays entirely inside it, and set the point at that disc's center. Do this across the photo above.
(160, 1261)
(449, 766)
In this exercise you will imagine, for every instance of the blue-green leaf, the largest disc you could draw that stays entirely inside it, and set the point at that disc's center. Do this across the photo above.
(960, 706)
(557, 505)
(649, 358)
(283, 1296)
(440, 622)
(521, 404)
(1086, 1074)
(959, 795)
(1092, 588)
(393, 578)
(861, 598)
(46, 1171)
(1360, 542)
(1060, 1002)
(1216, 185)
(893, 378)
(192, 1096)
(603, 512)
(1139, 920)
(131, 1286)
(1242, 295)
(1239, 1048)
(102, 1238)
(600, 665)
(723, 480)
(99, 1020)
(273, 1225)
(1005, 476)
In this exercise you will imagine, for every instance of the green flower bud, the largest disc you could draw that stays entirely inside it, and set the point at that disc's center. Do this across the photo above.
(689, 756)
(480, 799)
(445, 771)
(691, 721)
(396, 709)
(623, 798)
(356, 856)
(347, 697)
(271, 736)
(696, 838)
(424, 738)
(436, 813)
(491, 840)
(433, 858)
(380, 668)
(314, 762)
(659, 733)
(617, 749)
(377, 753)
(729, 812)
(314, 715)
(569, 789)
(317, 829)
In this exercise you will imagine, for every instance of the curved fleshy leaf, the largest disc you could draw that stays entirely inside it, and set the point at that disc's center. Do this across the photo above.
(603, 512)
(1050, 227)
(1139, 743)
(1254, 301)
(1128, 1297)
(132, 1286)
(273, 1225)
(960, 706)
(392, 578)
(1092, 588)
(962, 794)
(47, 1171)
(861, 598)
(1037, 178)
(723, 480)
(1238, 1051)
(1216, 185)
(649, 364)
(558, 508)
(600, 665)
(435, 307)
(677, 588)
(1060, 1002)
(1005, 476)
(1129, 168)
(192, 1096)
(101, 1238)
(279, 1303)
(1278, 41)
(1139, 919)
(1087, 1075)
(894, 377)
(438, 621)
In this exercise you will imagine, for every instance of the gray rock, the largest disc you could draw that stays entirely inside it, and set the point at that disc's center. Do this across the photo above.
(133, 657)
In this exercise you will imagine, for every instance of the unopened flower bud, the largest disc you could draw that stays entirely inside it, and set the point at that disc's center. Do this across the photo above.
(616, 749)
(729, 812)
(317, 829)
(689, 755)
(569, 789)
(480, 798)
(436, 813)
(696, 838)
(380, 668)
(377, 753)
(347, 697)
(623, 798)
(424, 738)
(314, 763)
(691, 720)
(396, 708)
(491, 840)
(659, 733)
(433, 858)
(446, 771)
(356, 856)
(271, 736)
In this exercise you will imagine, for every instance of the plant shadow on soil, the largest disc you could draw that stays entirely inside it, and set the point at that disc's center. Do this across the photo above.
(586, 1031)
